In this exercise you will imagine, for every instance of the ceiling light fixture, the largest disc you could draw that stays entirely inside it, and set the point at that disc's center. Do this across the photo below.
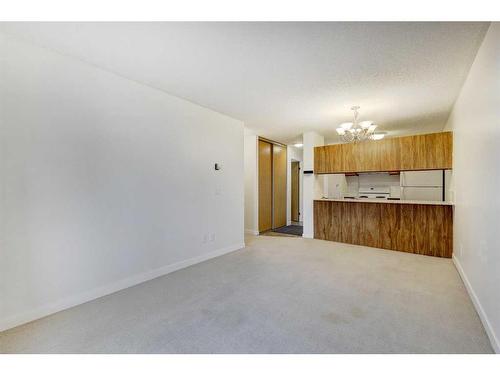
(378, 136)
(299, 145)
(354, 132)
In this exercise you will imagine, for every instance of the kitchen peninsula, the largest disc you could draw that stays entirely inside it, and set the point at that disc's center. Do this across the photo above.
(415, 226)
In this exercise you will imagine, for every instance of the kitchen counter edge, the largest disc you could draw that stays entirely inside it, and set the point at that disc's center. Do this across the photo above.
(385, 201)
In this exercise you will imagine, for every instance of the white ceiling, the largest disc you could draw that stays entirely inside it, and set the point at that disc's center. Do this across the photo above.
(282, 79)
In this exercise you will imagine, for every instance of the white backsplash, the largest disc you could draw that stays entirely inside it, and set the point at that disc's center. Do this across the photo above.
(335, 186)
(371, 179)
(339, 185)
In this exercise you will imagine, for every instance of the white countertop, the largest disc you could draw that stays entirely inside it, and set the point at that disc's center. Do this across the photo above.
(390, 201)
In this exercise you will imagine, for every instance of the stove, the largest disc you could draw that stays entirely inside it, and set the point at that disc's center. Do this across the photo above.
(374, 192)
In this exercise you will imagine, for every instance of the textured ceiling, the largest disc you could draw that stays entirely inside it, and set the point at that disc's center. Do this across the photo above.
(282, 79)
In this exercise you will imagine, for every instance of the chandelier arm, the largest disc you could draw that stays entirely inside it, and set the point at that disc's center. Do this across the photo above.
(355, 132)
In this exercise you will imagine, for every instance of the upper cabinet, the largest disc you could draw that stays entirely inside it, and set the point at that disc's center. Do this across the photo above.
(418, 152)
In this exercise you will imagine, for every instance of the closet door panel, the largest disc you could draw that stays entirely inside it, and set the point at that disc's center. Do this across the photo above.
(265, 186)
(279, 186)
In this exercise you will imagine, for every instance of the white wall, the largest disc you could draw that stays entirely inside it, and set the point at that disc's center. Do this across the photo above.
(335, 185)
(251, 182)
(293, 154)
(476, 174)
(104, 182)
(312, 184)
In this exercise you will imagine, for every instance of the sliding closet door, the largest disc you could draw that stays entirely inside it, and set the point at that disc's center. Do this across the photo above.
(279, 186)
(265, 186)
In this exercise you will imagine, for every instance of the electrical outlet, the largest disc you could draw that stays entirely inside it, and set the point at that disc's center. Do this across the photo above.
(205, 238)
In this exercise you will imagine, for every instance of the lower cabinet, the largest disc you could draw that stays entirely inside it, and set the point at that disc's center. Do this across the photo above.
(414, 228)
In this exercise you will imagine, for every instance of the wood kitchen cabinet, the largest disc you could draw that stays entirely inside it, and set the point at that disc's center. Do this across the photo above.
(425, 229)
(390, 154)
(418, 152)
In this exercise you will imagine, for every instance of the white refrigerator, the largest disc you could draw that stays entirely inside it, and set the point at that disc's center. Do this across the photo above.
(422, 185)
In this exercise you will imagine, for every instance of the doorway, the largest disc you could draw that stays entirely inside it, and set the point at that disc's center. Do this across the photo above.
(294, 228)
(295, 210)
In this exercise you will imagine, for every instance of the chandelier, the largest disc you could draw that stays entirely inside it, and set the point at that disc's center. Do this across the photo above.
(354, 132)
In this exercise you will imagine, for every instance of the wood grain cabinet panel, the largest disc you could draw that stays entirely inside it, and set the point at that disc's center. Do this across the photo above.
(428, 151)
(352, 224)
(439, 149)
(353, 157)
(407, 155)
(390, 154)
(327, 219)
(440, 230)
(422, 236)
(320, 225)
(419, 152)
(413, 228)
(390, 225)
(327, 158)
(336, 159)
(371, 156)
(320, 164)
(371, 224)
(405, 236)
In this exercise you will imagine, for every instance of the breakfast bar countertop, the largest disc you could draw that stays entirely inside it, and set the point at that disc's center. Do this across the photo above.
(389, 201)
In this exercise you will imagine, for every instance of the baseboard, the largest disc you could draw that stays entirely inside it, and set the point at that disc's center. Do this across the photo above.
(251, 231)
(23, 318)
(495, 343)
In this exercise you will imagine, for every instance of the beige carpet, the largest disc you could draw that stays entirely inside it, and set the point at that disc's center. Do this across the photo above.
(278, 295)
